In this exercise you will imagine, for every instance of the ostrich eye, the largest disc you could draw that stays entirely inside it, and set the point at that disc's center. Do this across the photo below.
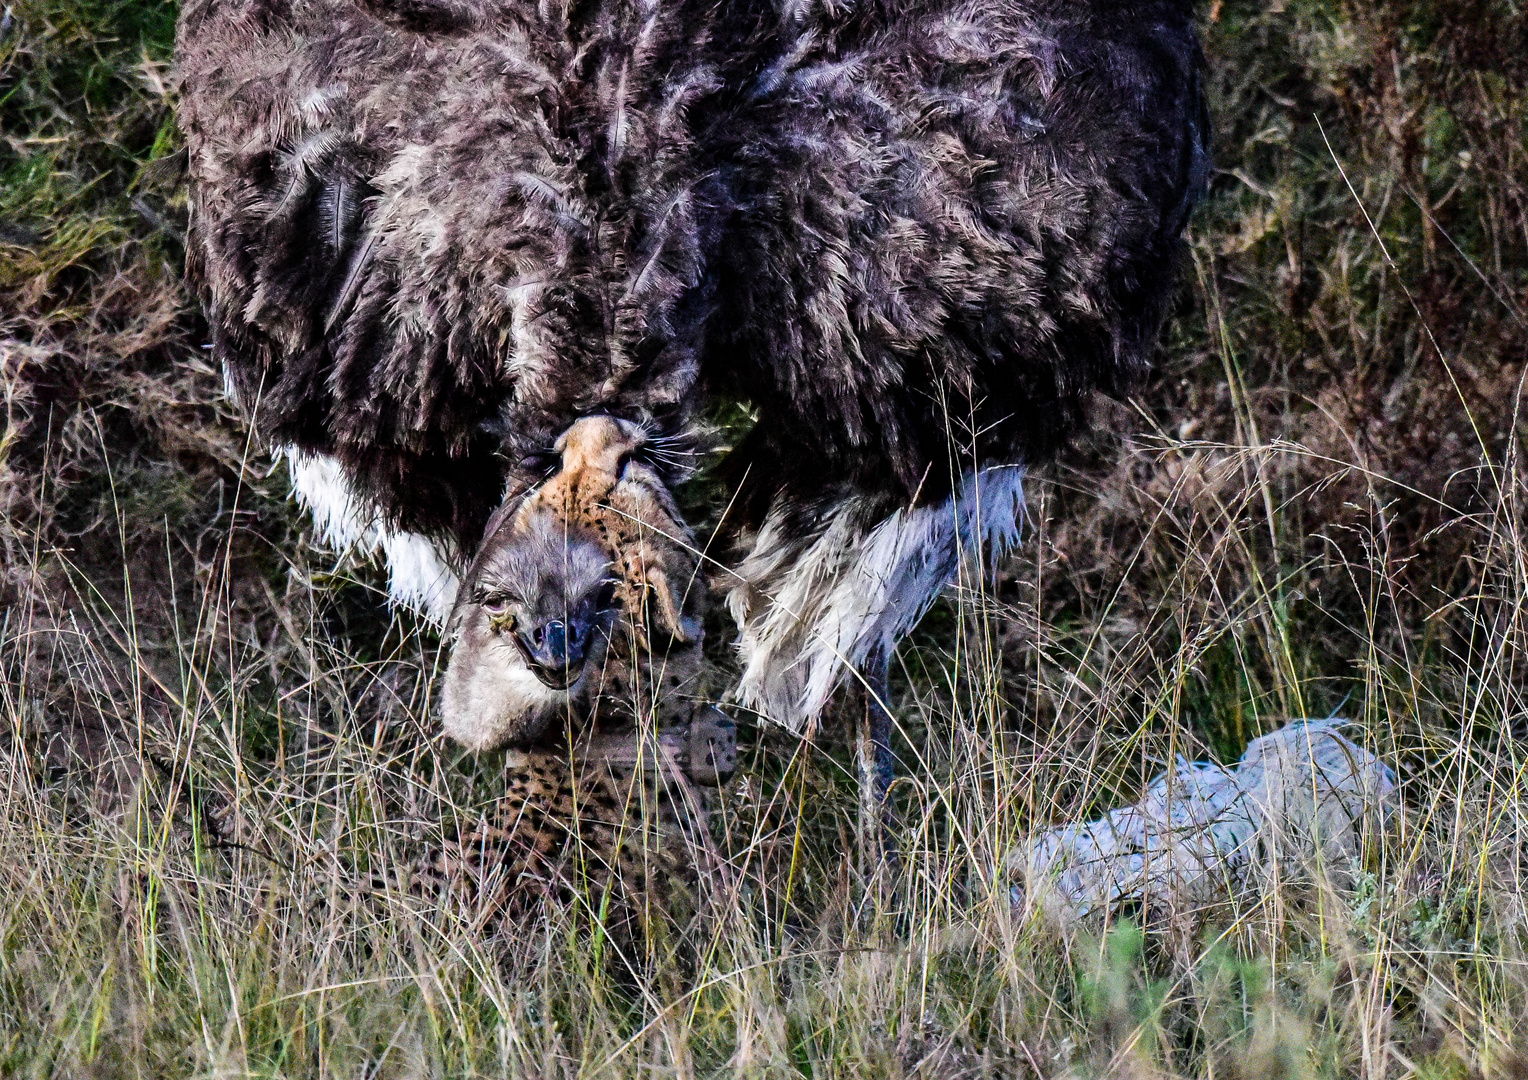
(495, 605)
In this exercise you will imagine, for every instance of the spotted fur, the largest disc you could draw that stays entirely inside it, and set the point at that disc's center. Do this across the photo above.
(587, 831)
(603, 514)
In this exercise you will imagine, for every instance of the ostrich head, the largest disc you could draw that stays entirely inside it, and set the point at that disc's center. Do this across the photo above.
(534, 613)
(558, 569)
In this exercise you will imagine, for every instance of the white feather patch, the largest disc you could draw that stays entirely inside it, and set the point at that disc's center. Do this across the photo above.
(418, 576)
(230, 391)
(809, 607)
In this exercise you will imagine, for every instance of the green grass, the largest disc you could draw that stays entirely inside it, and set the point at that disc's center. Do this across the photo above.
(1315, 507)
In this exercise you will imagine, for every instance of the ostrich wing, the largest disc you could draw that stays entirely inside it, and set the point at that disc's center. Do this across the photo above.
(430, 233)
(954, 222)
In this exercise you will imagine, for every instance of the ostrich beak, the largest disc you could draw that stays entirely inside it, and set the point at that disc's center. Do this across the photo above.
(555, 651)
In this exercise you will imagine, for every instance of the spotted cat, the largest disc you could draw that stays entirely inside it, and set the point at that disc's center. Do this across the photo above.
(618, 827)
(585, 606)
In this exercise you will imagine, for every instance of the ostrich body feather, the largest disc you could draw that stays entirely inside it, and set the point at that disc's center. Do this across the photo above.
(914, 236)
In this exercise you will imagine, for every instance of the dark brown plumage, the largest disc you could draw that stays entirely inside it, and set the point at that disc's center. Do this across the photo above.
(913, 235)
(429, 235)
(950, 223)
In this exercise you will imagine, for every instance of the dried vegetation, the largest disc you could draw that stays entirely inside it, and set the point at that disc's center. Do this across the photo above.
(213, 732)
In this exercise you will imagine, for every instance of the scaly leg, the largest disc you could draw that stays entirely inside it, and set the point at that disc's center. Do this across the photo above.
(873, 747)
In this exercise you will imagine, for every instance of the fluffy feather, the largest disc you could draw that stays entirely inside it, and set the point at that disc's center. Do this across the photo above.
(914, 236)
(952, 223)
(419, 576)
(810, 605)
(429, 235)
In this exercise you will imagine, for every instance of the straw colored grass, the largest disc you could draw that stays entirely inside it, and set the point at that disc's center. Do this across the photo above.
(215, 735)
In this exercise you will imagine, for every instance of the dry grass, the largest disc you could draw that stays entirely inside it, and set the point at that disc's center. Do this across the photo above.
(213, 733)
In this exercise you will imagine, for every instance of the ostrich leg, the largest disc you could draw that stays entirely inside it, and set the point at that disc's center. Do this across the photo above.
(873, 746)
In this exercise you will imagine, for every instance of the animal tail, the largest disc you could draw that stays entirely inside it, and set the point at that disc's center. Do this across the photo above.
(812, 606)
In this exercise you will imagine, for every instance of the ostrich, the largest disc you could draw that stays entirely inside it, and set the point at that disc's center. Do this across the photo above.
(912, 236)
(586, 581)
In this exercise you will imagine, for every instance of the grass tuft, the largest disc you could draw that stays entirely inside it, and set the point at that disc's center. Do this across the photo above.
(213, 734)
